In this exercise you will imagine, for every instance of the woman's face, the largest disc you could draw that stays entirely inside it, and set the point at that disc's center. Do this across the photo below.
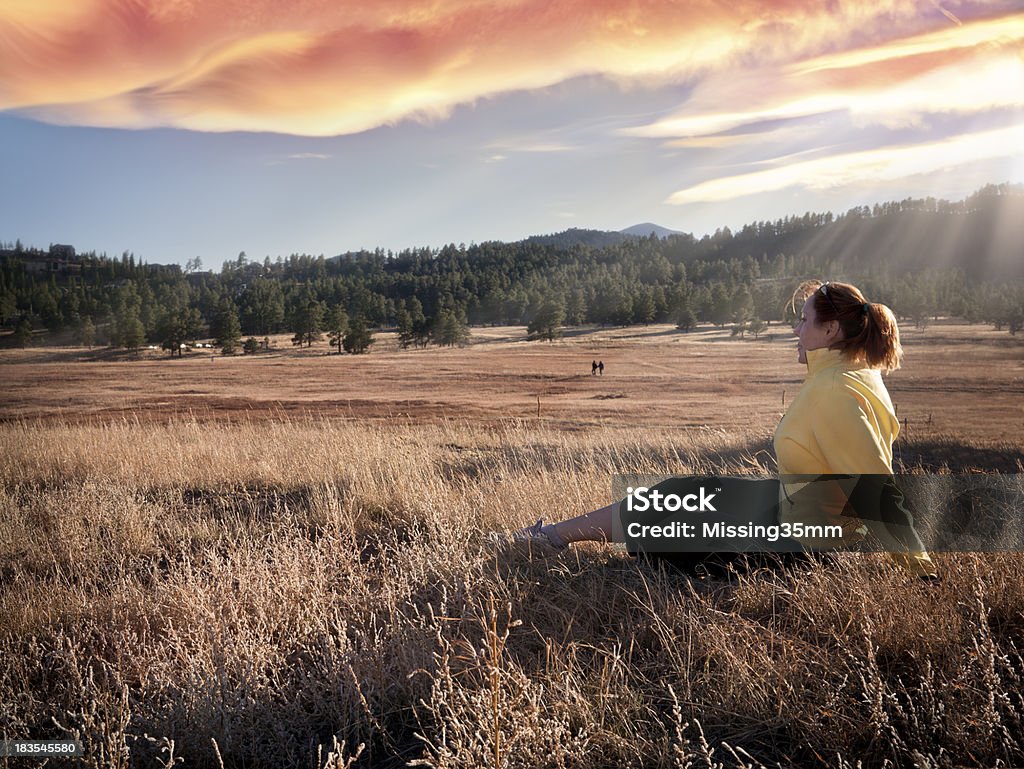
(811, 335)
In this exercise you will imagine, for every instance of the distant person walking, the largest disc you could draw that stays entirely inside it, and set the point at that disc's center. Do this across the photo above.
(593, 368)
(600, 367)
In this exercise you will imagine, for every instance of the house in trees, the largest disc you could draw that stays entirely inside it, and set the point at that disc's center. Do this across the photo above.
(60, 259)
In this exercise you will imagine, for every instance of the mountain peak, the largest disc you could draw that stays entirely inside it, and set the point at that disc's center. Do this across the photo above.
(644, 229)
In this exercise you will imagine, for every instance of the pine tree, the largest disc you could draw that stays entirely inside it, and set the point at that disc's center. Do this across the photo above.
(262, 307)
(403, 320)
(130, 333)
(576, 308)
(23, 332)
(644, 309)
(720, 305)
(307, 323)
(85, 334)
(547, 322)
(742, 306)
(177, 326)
(228, 331)
(449, 329)
(359, 338)
(686, 318)
(337, 326)
(420, 325)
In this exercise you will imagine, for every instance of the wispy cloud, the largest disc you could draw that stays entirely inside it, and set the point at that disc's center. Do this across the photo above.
(867, 167)
(972, 68)
(314, 68)
(787, 134)
(309, 156)
(530, 145)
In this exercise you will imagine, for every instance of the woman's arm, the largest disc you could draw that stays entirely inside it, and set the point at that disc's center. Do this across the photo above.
(851, 442)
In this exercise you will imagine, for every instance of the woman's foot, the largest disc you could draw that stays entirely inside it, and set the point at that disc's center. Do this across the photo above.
(540, 535)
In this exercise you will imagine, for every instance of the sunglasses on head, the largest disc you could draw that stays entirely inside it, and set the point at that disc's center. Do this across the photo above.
(824, 290)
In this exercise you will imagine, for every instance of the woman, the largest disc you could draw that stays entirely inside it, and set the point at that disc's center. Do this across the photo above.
(841, 423)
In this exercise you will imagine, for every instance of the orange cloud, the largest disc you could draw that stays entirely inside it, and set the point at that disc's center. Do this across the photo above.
(323, 67)
(969, 68)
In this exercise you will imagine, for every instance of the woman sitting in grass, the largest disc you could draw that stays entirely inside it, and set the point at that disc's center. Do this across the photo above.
(841, 423)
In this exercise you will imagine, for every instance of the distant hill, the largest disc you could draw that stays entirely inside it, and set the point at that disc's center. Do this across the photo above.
(575, 236)
(646, 228)
(982, 235)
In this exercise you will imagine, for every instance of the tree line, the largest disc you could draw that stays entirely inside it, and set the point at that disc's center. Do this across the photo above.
(432, 296)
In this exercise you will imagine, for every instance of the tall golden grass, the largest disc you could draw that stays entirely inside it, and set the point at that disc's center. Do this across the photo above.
(310, 593)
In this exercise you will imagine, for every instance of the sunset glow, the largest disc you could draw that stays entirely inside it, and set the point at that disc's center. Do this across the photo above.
(758, 97)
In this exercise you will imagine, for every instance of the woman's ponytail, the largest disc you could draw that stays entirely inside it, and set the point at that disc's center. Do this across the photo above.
(879, 344)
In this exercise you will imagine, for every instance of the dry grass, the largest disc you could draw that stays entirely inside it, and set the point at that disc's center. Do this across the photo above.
(960, 381)
(279, 594)
(277, 590)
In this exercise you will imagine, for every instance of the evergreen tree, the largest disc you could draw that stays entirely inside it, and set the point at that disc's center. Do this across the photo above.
(228, 331)
(449, 329)
(251, 346)
(337, 326)
(575, 308)
(686, 318)
(420, 325)
(307, 323)
(262, 307)
(644, 309)
(45, 306)
(720, 305)
(131, 332)
(358, 338)
(85, 333)
(124, 315)
(547, 322)
(403, 321)
(23, 333)
(742, 305)
(622, 309)
(8, 304)
(516, 306)
(177, 326)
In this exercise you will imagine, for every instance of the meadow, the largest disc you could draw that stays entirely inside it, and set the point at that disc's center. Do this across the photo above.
(282, 560)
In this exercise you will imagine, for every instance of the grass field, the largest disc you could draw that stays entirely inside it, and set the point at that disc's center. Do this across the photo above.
(968, 379)
(280, 560)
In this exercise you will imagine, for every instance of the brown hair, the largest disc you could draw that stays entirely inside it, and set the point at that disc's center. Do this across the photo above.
(869, 329)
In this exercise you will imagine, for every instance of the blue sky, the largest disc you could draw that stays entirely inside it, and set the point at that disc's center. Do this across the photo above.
(320, 155)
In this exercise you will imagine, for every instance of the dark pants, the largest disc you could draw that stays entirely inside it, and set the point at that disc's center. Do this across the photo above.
(741, 500)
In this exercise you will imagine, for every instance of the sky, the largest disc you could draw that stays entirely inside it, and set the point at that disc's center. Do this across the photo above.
(184, 128)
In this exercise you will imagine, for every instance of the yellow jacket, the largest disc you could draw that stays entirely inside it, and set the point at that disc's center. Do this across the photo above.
(841, 422)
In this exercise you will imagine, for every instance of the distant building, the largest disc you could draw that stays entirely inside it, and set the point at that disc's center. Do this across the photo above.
(58, 251)
(60, 259)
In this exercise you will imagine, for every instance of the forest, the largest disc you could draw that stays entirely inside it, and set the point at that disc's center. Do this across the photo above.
(923, 257)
